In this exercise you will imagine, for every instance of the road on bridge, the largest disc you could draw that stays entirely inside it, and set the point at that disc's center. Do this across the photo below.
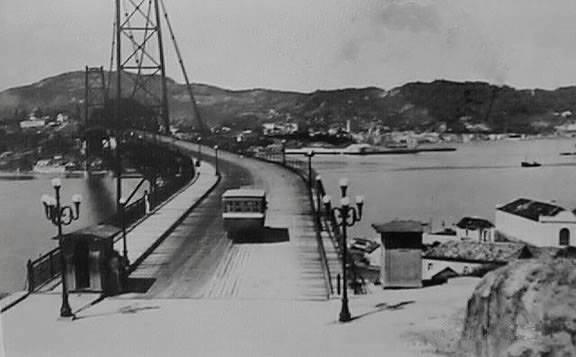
(197, 260)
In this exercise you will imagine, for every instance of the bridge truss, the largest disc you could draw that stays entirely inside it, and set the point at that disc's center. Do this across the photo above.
(140, 62)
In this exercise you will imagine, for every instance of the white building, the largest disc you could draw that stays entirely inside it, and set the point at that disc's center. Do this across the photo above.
(538, 223)
(279, 128)
(32, 123)
(476, 229)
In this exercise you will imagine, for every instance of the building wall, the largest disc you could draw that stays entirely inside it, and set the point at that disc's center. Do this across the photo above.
(429, 238)
(431, 267)
(401, 268)
(478, 235)
(540, 234)
(27, 124)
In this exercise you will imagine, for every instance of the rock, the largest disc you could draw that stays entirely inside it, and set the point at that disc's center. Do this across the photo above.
(525, 309)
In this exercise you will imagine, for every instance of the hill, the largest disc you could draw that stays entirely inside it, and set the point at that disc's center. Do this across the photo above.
(455, 106)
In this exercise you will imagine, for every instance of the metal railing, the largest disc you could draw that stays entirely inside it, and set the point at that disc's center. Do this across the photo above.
(43, 269)
(315, 192)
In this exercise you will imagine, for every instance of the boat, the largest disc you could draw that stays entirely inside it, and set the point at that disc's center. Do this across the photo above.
(96, 167)
(58, 165)
(49, 166)
(530, 164)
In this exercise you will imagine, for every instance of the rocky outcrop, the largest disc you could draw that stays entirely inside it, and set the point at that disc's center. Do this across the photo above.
(525, 309)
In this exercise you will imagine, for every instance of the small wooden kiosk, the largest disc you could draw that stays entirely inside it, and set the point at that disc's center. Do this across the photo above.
(92, 264)
(401, 264)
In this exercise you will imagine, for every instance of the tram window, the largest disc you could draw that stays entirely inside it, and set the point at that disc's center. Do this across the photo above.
(243, 206)
(252, 206)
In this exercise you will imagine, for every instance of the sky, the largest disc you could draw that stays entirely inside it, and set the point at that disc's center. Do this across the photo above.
(305, 45)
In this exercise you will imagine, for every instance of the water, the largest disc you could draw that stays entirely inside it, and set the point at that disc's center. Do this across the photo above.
(445, 186)
(431, 187)
(25, 233)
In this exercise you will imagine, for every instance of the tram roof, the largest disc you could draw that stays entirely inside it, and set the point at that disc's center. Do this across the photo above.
(244, 192)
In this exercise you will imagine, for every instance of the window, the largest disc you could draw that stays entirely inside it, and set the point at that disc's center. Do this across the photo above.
(564, 238)
(242, 206)
(430, 266)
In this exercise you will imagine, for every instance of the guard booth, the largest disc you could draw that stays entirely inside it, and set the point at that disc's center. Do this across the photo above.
(92, 264)
(401, 262)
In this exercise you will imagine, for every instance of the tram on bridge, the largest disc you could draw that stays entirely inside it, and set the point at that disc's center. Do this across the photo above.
(244, 212)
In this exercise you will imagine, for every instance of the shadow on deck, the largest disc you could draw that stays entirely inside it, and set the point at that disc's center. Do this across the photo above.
(268, 235)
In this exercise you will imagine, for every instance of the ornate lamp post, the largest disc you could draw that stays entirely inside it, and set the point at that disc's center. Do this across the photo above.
(309, 155)
(199, 149)
(344, 216)
(62, 216)
(216, 155)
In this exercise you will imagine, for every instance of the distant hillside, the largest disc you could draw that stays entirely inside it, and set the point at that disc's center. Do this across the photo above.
(455, 106)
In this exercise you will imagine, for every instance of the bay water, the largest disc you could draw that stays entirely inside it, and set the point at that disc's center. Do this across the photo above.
(437, 188)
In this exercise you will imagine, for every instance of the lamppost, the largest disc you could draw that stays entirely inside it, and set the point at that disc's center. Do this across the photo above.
(199, 149)
(122, 206)
(319, 194)
(283, 152)
(216, 155)
(309, 155)
(61, 216)
(344, 216)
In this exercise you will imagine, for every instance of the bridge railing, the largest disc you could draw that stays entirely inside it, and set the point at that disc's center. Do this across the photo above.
(315, 192)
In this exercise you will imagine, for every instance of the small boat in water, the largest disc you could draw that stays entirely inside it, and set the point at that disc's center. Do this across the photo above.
(58, 165)
(49, 166)
(530, 164)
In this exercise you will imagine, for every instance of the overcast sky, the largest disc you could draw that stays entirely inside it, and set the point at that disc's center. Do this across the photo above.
(306, 45)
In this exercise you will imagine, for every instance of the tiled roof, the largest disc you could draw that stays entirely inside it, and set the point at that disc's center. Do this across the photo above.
(531, 209)
(97, 231)
(398, 226)
(474, 223)
(476, 251)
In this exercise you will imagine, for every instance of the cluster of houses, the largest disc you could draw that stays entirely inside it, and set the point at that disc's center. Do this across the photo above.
(38, 122)
(523, 228)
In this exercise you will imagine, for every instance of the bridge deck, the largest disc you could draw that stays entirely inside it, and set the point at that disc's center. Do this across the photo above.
(197, 260)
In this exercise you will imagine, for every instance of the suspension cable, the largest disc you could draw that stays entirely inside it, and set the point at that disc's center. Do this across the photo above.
(201, 125)
(109, 82)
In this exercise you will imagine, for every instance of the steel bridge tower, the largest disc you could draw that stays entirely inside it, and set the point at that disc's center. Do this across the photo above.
(140, 57)
(95, 91)
(140, 60)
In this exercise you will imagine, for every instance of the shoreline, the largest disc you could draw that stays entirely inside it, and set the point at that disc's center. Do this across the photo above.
(366, 150)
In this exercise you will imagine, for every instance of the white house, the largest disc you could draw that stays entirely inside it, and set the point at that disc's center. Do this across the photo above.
(32, 123)
(279, 128)
(475, 228)
(543, 224)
